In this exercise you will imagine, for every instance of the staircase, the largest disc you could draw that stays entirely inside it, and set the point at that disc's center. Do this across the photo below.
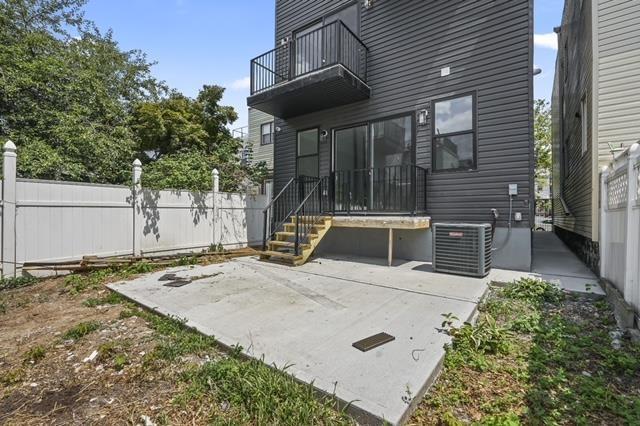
(295, 221)
(282, 248)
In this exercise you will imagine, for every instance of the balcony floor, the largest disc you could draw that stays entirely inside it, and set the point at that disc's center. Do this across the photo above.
(326, 88)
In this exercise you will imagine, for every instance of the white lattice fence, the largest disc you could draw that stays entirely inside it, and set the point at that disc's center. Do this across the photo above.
(620, 225)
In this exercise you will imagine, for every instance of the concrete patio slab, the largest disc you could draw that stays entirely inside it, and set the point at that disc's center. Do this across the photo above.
(309, 317)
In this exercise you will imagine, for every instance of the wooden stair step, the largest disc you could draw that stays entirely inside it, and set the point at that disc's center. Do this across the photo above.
(280, 255)
(288, 244)
(293, 225)
(293, 234)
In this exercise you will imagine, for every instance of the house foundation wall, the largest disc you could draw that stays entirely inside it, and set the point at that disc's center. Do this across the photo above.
(417, 245)
(586, 249)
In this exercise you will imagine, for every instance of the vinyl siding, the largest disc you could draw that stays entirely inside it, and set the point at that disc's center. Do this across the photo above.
(618, 75)
(260, 152)
(487, 44)
(575, 183)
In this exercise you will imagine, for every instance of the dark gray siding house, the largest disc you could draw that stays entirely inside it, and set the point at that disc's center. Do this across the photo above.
(435, 94)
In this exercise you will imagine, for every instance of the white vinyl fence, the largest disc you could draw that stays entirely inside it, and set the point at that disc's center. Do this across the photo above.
(620, 225)
(49, 221)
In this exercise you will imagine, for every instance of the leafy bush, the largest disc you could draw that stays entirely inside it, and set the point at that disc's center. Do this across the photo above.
(486, 337)
(533, 290)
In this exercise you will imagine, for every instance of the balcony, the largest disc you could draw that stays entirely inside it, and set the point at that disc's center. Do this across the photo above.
(321, 69)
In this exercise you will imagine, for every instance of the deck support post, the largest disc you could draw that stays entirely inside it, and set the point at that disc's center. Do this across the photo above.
(390, 248)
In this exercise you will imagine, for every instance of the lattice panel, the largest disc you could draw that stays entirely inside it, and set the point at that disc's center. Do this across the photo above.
(618, 193)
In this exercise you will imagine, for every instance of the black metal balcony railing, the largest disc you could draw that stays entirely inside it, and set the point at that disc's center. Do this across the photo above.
(392, 189)
(329, 45)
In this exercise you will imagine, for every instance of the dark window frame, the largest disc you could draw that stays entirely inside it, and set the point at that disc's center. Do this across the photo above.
(322, 19)
(262, 134)
(474, 131)
(368, 125)
(317, 154)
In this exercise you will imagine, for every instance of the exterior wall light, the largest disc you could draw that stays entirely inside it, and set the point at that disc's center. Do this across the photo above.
(368, 4)
(423, 116)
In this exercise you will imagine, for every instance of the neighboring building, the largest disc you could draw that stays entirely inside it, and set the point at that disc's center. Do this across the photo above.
(261, 135)
(596, 111)
(406, 108)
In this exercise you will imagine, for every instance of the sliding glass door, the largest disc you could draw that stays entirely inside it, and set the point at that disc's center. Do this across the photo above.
(373, 165)
(351, 164)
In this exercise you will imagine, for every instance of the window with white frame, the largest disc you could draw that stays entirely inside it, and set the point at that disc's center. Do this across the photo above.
(584, 121)
(266, 133)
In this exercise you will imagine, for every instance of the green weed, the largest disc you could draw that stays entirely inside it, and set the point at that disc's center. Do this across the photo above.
(81, 330)
(35, 354)
(17, 282)
(112, 298)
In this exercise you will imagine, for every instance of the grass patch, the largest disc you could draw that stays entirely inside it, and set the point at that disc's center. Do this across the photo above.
(35, 354)
(258, 394)
(13, 376)
(81, 330)
(536, 356)
(17, 282)
(111, 298)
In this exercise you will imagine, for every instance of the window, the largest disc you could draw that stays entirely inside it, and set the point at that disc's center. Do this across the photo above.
(584, 121)
(266, 134)
(454, 135)
(307, 155)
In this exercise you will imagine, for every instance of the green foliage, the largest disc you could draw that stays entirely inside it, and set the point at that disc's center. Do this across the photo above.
(78, 283)
(537, 356)
(190, 138)
(533, 291)
(260, 394)
(542, 129)
(486, 337)
(66, 91)
(112, 298)
(35, 354)
(80, 108)
(17, 282)
(81, 330)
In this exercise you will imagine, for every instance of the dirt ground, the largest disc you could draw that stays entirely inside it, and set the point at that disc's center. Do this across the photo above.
(47, 377)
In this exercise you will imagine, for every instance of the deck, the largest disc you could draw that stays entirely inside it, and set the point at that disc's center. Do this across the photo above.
(383, 222)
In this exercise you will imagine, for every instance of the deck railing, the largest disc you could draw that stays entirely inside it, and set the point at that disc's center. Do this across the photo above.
(329, 45)
(391, 189)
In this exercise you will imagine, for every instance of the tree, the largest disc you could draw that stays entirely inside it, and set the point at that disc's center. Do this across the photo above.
(543, 138)
(65, 99)
(81, 109)
(184, 139)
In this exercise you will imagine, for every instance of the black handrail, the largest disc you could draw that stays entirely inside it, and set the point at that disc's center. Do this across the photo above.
(309, 213)
(284, 205)
(329, 45)
(275, 211)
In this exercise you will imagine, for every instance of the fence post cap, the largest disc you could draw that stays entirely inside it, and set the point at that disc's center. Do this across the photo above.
(9, 146)
(137, 163)
(215, 172)
(634, 150)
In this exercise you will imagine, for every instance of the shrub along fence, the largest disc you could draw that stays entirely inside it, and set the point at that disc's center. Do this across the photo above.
(51, 221)
(620, 225)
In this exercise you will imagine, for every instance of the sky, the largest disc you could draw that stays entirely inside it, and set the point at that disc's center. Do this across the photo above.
(198, 42)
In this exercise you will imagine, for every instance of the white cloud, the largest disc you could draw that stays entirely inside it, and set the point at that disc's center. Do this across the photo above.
(241, 84)
(548, 40)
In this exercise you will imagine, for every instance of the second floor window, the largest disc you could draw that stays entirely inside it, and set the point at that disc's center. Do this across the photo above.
(266, 133)
(454, 134)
